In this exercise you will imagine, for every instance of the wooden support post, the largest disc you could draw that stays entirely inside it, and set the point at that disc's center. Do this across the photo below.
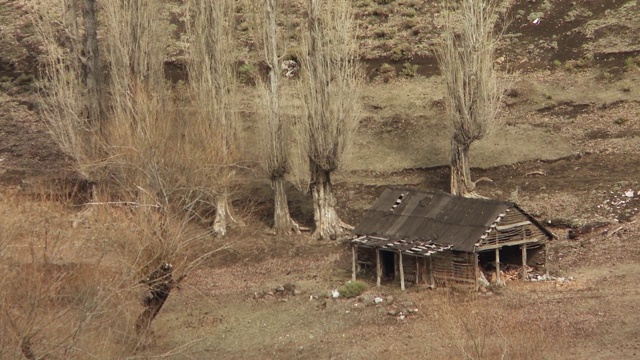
(524, 261)
(417, 270)
(378, 268)
(401, 269)
(432, 281)
(498, 278)
(354, 257)
(476, 270)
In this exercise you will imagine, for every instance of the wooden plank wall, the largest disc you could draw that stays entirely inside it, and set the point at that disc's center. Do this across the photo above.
(454, 269)
(513, 216)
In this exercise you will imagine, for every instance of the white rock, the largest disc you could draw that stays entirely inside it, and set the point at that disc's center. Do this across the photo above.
(629, 193)
(377, 300)
(335, 294)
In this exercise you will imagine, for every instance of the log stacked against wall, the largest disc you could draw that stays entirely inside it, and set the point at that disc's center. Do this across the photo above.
(454, 269)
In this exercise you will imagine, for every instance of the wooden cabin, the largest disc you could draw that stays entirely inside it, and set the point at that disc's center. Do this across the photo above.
(436, 239)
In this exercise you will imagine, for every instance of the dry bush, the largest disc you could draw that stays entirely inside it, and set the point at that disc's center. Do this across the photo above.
(478, 329)
(51, 301)
(78, 292)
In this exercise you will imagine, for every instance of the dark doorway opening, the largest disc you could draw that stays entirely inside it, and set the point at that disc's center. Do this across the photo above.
(387, 259)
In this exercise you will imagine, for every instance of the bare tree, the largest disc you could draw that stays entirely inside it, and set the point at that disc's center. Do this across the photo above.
(466, 58)
(73, 89)
(212, 78)
(331, 98)
(91, 64)
(274, 131)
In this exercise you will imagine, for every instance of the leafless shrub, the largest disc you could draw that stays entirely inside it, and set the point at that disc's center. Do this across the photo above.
(62, 304)
(476, 330)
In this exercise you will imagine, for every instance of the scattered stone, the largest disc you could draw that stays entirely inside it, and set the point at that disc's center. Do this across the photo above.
(296, 292)
(378, 300)
(412, 310)
(392, 312)
(279, 288)
(389, 299)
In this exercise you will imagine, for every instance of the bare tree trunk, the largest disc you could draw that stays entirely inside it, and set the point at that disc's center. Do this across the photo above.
(160, 283)
(282, 222)
(328, 224)
(91, 65)
(222, 214)
(460, 171)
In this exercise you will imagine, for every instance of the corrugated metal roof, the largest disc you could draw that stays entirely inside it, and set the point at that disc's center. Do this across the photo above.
(417, 247)
(445, 219)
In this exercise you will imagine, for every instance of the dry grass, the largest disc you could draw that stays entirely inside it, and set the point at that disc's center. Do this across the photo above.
(73, 291)
(481, 330)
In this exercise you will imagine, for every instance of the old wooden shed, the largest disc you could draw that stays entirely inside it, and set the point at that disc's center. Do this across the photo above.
(436, 239)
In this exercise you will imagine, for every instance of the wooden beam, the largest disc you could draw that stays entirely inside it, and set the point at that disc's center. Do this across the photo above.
(417, 270)
(524, 261)
(512, 243)
(511, 226)
(354, 258)
(378, 268)
(401, 269)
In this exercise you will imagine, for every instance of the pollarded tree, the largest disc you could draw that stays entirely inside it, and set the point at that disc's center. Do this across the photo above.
(331, 94)
(211, 67)
(275, 131)
(466, 59)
